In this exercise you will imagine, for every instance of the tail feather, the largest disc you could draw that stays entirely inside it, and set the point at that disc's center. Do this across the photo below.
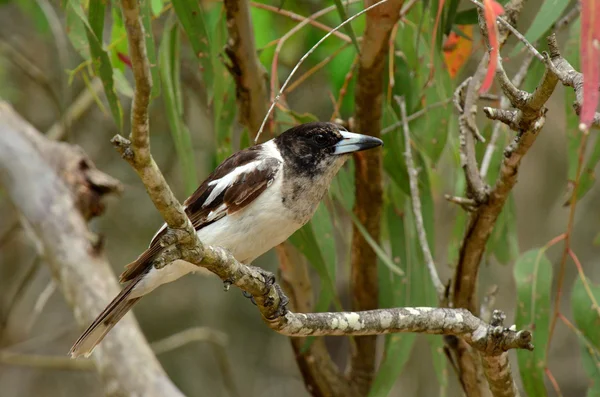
(105, 321)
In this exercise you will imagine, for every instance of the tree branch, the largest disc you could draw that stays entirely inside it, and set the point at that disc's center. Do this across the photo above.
(249, 74)
(368, 178)
(39, 177)
(568, 76)
(321, 375)
(416, 204)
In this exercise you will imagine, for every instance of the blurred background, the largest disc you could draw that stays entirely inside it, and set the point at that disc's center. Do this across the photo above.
(38, 76)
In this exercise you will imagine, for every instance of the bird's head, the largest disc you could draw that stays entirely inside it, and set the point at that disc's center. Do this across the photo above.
(321, 146)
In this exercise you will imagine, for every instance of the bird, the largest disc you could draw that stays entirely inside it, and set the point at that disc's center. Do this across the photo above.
(253, 201)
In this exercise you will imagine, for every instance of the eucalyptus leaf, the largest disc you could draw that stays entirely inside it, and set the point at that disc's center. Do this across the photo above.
(533, 276)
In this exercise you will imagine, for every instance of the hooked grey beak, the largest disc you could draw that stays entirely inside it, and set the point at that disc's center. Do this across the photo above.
(352, 142)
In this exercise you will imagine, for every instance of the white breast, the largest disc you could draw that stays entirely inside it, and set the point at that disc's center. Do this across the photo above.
(247, 234)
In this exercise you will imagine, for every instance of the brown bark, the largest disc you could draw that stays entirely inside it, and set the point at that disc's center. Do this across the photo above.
(368, 179)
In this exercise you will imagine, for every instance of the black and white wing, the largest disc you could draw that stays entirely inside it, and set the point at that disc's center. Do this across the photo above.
(233, 185)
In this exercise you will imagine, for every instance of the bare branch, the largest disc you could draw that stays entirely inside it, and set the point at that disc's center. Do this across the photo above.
(82, 103)
(497, 367)
(249, 74)
(416, 204)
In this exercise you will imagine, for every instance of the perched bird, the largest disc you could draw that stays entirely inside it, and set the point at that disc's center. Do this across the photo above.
(253, 201)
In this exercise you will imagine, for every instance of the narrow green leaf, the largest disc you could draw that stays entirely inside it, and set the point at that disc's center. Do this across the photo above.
(76, 32)
(503, 242)
(100, 59)
(223, 104)
(588, 321)
(395, 291)
(343, 187)
(348, 27)
(122, 84)
(548, 13)
(191, 17)
(381, 254)
(118, 40)
(156, 6)
(169, 73)
(150, 46)
(466, 17)
(397, 354)
(533, 276)
(306, 242)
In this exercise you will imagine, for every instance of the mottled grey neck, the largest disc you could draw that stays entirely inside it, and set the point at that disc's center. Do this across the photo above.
(302, 191)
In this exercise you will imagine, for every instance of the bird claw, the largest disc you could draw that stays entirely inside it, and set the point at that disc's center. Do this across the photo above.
(249, 296)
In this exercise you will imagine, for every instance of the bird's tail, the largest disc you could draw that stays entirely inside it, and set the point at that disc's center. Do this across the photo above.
(105, 321)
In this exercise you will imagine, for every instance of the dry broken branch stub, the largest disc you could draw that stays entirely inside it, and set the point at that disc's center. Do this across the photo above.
(125, 362)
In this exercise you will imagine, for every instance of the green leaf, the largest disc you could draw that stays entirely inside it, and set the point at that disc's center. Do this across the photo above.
(118, 40)
(122, 84)
(169, 73)
(533, 276)
(381, 254)
(587, 320)
(76, 32)
(156, 6)
(585, 310)
(348, 27)
(466, 17)
(396, 291)
(306, 242)
(100, 59)
(191, 17)
(548, 13)
(343, 187)
(503, 242)
(397, 353)
(150, 47)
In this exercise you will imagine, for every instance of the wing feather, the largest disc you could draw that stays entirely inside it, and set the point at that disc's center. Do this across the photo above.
(236, 183)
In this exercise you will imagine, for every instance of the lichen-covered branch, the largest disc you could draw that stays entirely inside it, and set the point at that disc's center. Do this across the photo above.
(49, 183)
(368, 177)
(249, 74)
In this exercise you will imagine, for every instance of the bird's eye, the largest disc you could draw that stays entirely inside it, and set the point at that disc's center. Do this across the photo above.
(320, 139)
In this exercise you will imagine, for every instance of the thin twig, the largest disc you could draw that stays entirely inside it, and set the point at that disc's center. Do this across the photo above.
(316, 68)
(300, 18)
(504, 103)
(79, 106)
(40, 303)
(182, 338)
(416, 203)
(308, 53)
(416, 115)
(286, 36)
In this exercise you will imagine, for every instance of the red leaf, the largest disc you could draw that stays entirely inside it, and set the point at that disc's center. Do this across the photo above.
(590, 59)
(457, 49)
(124, 58)
(491, 10)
